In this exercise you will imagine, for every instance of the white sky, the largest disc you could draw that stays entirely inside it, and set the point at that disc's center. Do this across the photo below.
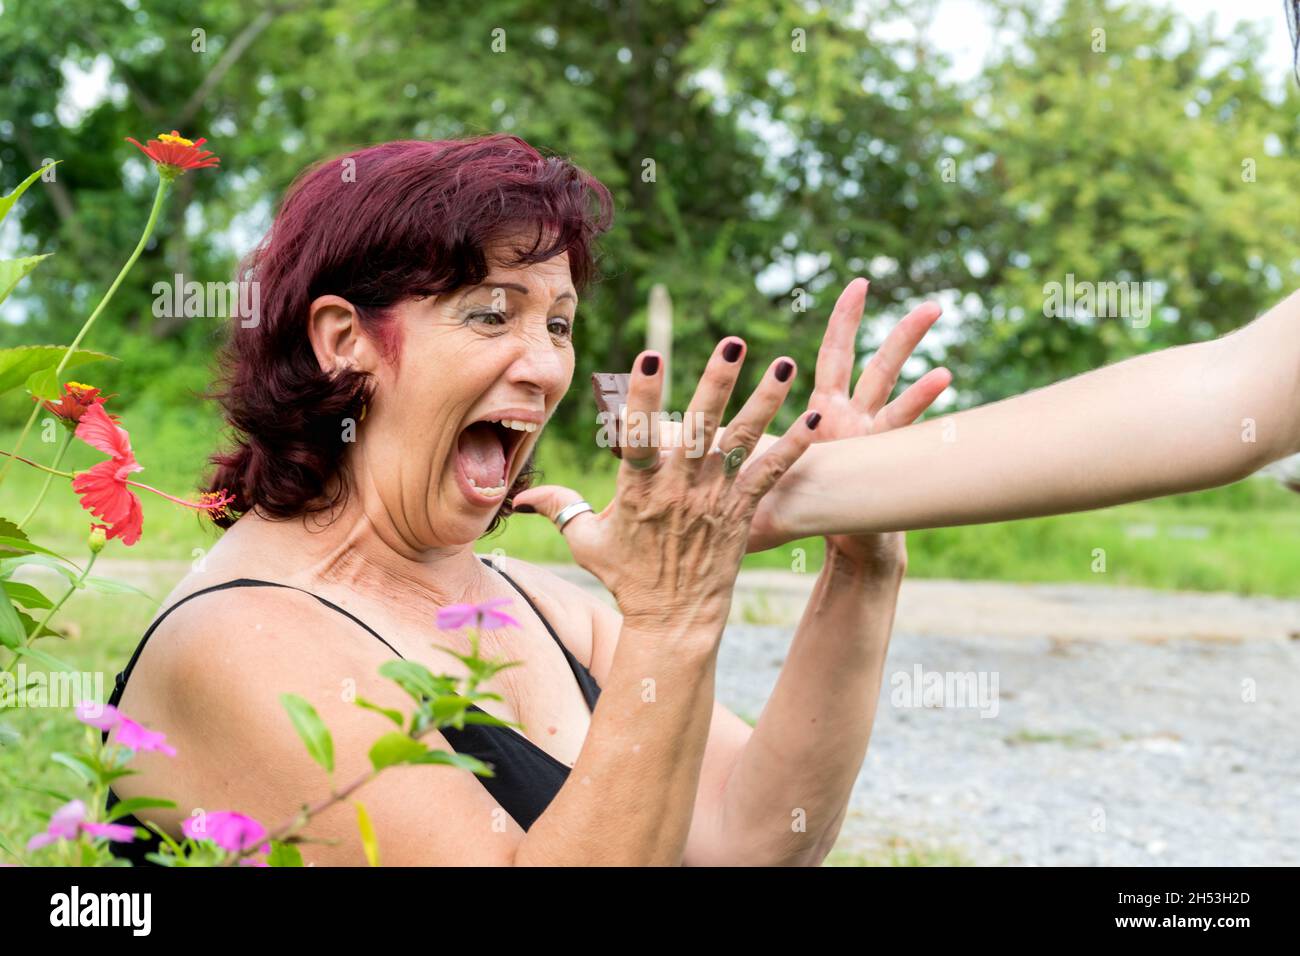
(962, 29)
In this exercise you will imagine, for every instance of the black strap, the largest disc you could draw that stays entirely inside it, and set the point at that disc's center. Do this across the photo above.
(579, 671)
(586, 683)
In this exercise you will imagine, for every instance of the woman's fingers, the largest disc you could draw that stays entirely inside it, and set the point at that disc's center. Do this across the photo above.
(753, 419)
(909, 406)
(881, 374)
(704, 414)
(767, 469)
(835, 358)
(549, 501)
(644, 396)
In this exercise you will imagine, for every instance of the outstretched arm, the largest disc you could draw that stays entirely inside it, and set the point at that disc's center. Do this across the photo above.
(1181, 419)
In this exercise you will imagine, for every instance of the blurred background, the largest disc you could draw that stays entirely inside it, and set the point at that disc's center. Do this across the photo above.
(761, 154)
(964, 151)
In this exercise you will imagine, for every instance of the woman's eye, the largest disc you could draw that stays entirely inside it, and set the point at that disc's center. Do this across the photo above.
(560, 327)
(490, 318)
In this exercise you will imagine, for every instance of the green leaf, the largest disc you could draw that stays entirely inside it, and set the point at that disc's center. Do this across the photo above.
(394, 715)
(416, 679)
(12, 631)
(23, 546)
(26, 595)
(111, 586)
(48, 660)
(395, 748)
(7, 202)
(311, 729)
(10, 564)
(44, 384)
(398, 748)
(123, 807)
(10, 530)
(30, 624)
(450, 758)
(368, 841)
(283, 854)
(18, 364)
(14, 271)
(77, 765)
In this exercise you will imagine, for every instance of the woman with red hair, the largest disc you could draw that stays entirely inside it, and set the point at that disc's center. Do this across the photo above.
(414, 336)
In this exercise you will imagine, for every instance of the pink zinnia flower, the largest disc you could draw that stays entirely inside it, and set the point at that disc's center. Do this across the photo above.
(233, 832)
(70, 820)
(129, 734)
(483, 614)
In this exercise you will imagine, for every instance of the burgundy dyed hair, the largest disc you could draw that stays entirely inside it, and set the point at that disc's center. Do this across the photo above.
(376, 227)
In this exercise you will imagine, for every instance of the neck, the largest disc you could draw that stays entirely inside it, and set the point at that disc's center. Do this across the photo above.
(365, 546)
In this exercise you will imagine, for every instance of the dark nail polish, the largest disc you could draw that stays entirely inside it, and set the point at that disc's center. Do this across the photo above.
(814, 420)
(650, 365)
(783, 370)
(522, 509)
(732, 351)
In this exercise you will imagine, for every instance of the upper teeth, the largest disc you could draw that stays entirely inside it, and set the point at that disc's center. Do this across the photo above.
(518, 425)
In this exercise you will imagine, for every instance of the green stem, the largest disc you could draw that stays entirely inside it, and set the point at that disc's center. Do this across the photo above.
(49, 477)
(38, 465)
(163, 183)
(49, 615)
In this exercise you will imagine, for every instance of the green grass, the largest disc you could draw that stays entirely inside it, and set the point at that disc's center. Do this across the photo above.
(1244, 538)
(103, 631)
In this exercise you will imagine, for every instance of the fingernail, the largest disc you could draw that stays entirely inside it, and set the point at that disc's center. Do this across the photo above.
(650, 365)
(732, 350)
(783, 370)
(523, 509)
(814, 420)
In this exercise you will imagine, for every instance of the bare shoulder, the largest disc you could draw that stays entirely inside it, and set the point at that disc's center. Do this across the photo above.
(216, 687)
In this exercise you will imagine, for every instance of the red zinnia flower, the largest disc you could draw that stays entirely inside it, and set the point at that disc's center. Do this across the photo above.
(74, 401)
(174, 154)
(104, 487)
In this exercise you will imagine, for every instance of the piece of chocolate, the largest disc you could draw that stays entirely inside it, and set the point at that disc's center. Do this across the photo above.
(610, 389)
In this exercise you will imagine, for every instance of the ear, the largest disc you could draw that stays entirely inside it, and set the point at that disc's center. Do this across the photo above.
(334, 329)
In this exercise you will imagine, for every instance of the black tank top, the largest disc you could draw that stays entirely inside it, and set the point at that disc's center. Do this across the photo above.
(526, 779)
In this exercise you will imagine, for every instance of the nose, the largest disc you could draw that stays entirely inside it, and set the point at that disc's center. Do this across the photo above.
(539, 364)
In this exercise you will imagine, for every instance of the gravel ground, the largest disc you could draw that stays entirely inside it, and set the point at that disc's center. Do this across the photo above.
(1114, 752)
(1132, 727)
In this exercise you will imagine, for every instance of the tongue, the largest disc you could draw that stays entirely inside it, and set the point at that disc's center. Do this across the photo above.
(481, 455)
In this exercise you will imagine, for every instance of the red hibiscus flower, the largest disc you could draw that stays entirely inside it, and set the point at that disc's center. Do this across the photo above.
(174, 154)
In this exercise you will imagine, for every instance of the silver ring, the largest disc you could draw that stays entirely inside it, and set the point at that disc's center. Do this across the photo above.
(732, 460)
(570, 512)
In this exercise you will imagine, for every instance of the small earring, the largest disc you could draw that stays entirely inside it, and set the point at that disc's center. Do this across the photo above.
(364, 406)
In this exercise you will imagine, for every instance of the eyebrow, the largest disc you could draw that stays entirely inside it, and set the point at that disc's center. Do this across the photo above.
(566, 294)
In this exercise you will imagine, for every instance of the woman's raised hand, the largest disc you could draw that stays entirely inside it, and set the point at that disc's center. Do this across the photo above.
(852, 410)
(671, 541)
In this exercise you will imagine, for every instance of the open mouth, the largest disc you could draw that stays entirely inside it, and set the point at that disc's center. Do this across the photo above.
(485, 453)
